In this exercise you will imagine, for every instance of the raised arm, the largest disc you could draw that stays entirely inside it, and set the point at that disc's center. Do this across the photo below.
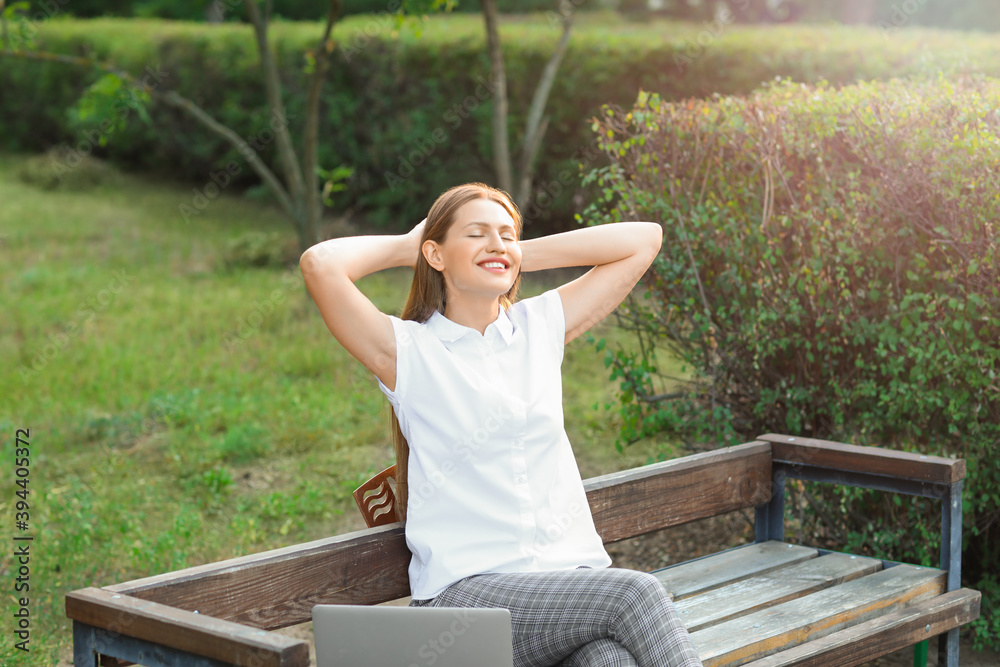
(330, 270)
(620, 253)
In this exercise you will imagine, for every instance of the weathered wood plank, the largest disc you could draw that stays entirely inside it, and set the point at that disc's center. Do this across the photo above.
(871, 460)
(120, 614)
(641, 500)
(756, 635)
(883, 635)
(725, 568)
(771, 588)
(279, 588)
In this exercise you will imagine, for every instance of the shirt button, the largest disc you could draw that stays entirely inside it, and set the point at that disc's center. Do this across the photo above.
(519, 443)
(519, 479)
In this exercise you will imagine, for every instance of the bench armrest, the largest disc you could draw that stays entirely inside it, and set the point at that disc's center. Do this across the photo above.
(870, 468)
(117, 615)
(794, 450)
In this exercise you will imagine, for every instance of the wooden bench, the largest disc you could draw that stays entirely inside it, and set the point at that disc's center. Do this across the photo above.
(764, 604)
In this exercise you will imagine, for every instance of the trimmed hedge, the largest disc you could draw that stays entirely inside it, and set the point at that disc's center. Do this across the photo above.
(231, 10)
(830, 267)
(395, 98)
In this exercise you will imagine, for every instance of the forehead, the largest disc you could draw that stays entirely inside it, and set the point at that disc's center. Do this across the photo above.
(483, 211)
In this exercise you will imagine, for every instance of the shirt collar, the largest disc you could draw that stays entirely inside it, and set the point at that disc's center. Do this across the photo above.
(449, 331)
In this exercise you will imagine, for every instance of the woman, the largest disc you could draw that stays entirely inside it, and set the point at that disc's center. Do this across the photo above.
(495, 511)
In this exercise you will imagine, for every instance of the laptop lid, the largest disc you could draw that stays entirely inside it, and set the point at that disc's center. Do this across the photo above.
(389, 636)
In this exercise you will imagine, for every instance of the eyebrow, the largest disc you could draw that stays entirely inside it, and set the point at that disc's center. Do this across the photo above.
(505, 225)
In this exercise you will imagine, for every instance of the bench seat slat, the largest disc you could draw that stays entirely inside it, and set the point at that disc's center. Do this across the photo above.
(822, 613)
(728, 567)
(771, 588)
(885, 634)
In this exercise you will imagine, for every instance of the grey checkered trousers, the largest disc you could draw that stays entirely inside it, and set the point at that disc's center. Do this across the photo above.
(581, 618)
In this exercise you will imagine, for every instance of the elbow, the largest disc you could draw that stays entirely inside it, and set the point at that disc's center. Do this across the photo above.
(653, 239)
(307, 262)
(313, 259)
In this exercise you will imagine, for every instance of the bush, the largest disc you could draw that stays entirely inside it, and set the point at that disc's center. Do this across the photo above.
(293, 10)
(830, 268)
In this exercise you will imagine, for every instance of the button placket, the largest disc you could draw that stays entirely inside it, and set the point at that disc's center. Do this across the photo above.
(523, 491)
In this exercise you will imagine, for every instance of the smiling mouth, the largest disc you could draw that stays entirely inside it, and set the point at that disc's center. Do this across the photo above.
(494, 266)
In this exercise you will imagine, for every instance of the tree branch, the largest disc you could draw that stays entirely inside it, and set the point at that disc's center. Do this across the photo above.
(177, 101)
(249, 154)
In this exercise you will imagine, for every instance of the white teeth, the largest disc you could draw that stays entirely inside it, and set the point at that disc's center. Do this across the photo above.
(493, 265)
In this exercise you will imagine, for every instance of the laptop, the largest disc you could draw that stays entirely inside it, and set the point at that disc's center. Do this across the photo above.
(389, 636)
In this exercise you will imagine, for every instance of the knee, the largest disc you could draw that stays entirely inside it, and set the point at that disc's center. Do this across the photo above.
(644, 590)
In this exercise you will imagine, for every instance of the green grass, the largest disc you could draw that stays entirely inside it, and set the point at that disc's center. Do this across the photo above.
(180, 413)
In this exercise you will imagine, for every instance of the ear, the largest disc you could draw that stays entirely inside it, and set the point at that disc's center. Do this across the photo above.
(432, 253)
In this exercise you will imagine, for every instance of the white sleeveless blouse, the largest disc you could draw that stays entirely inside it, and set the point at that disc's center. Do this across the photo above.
(493, 483)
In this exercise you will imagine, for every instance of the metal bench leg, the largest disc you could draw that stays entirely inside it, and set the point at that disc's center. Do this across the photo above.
(84, 645)
(769, 519)
(951, 560)
(90, 642)
(948, 648)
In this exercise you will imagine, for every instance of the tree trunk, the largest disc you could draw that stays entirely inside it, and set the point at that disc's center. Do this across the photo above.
(501, 145)
(310, 134)
(272, 86)
(536, 124)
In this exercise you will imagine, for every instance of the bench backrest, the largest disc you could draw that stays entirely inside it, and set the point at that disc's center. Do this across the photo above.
(278, 588)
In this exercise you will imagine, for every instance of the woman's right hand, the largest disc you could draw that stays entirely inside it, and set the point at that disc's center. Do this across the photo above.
(414, 237)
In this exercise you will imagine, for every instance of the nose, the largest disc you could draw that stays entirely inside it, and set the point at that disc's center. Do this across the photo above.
(494, 242)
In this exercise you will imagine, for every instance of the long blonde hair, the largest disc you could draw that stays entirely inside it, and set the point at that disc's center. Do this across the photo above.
(428, 294)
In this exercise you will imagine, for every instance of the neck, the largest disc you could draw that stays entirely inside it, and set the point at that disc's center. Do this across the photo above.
(472, 312)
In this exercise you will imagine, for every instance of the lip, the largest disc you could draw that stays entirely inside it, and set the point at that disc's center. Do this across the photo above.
(498, 260)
